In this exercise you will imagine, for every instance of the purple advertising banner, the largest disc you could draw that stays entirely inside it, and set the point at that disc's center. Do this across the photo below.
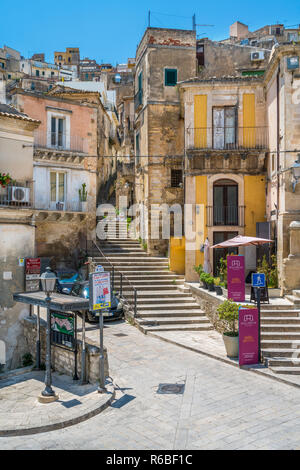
(248, 336)
(236, 277)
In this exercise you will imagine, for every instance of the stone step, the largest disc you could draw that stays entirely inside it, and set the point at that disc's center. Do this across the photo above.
(164, 313)
(190, 327)
(280, 343)
(153, 321)
(293, 299)
(143, 288)
(283, 362)
(157, 295)
(286, 370)
(281, 352)
(280, 320)
(154, 274)
(280, 313)
(274, 336)
(280, 328)
(296, 293)
(142, 306)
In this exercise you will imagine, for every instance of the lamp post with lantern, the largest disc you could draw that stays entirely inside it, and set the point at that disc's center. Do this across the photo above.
(48, 281)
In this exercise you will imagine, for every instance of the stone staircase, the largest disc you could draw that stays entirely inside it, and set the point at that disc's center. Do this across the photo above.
(163, 302)
(280, 338)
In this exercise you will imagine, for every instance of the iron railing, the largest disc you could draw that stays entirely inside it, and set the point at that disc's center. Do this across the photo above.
(123, 282)
(227, 138)
(225, 215)
(60, 141)
(17, 194)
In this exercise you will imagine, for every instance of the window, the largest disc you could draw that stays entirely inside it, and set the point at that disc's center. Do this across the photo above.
(37, 73)
(137, 145)
(219, 237)
(225, 200)
(32, 86)
(200, 54)
(224, 127)
(176, 178)
(57, 132)
(43, 73)
(57, 188)
(170, 77)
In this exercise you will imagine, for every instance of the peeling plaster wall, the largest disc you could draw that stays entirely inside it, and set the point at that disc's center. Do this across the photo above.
(16, 241)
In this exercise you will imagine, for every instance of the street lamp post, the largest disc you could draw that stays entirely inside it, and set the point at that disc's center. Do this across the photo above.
(48, 280)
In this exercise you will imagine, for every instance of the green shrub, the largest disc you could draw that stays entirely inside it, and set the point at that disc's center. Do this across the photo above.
(27, 360)
(199, 269)
(229, 312)
(210, 280)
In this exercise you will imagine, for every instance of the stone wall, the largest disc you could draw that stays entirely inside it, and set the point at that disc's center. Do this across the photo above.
(209, 303)
(63, 360)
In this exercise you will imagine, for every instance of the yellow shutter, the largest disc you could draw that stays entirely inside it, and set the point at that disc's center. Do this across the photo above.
(249, 129)
(200, 121)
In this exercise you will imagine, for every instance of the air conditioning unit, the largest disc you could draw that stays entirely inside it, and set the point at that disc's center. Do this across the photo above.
(19, 194)
(260, 55)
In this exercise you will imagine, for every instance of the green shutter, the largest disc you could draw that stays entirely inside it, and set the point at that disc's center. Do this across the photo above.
(170, 77)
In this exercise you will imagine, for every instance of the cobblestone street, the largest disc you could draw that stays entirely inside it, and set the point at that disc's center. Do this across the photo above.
(222, 407)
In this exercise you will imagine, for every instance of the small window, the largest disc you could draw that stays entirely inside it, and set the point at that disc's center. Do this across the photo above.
(170, 77)
(37, 72)
(176, 178)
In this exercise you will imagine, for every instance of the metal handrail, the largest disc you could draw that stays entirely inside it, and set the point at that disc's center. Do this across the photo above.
(122, 276)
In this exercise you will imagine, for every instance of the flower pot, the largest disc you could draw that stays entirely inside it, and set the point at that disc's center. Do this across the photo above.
(231, 345)
(211, 287)
(84, 206)
(204, 285)
(218, 290)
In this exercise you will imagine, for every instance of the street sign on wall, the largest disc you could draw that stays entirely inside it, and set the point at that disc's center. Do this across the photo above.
(32, 274)
(236, 277)
(248, 336)
(100, 291)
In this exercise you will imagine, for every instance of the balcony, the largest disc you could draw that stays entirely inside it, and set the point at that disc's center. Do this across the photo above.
(60, 142)
(227, 138)
(17, 195)
(138, 100)
(225, 216)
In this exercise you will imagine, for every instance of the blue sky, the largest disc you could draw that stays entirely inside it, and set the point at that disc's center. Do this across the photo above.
(110, 31)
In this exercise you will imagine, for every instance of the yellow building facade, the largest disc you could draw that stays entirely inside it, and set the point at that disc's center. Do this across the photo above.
(224, 178)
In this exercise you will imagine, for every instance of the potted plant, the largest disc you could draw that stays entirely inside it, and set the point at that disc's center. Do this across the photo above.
(210, 282)
(218, 287)
(83, 197)
(5, 180)
(203, 279)
(199, 270)
(229, 312)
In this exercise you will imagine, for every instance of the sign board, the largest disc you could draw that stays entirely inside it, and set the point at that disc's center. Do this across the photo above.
(63, 329)
(99, 269)
(100, 291)
(32, 274)
(21, 261)
(248, 336)
(236, 277)
(258, 280)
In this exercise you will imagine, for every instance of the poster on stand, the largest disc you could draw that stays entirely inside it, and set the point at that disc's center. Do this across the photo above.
(236, 278)
(100, 290)
(248, 336)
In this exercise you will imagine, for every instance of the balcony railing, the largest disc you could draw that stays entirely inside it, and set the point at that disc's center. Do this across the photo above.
(18, 194)
(225, 215)
(138, 99)
(60, 141)
(227, 138)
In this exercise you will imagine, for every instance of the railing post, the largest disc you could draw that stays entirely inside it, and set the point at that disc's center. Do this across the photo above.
(113, 278)
(121, 284)
(135, 302)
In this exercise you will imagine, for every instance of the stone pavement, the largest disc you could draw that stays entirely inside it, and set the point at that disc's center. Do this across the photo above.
(222, 407)
(210, 343)
(22, 414)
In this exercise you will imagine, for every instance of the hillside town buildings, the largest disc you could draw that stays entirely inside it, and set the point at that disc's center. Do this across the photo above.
(213, 125)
